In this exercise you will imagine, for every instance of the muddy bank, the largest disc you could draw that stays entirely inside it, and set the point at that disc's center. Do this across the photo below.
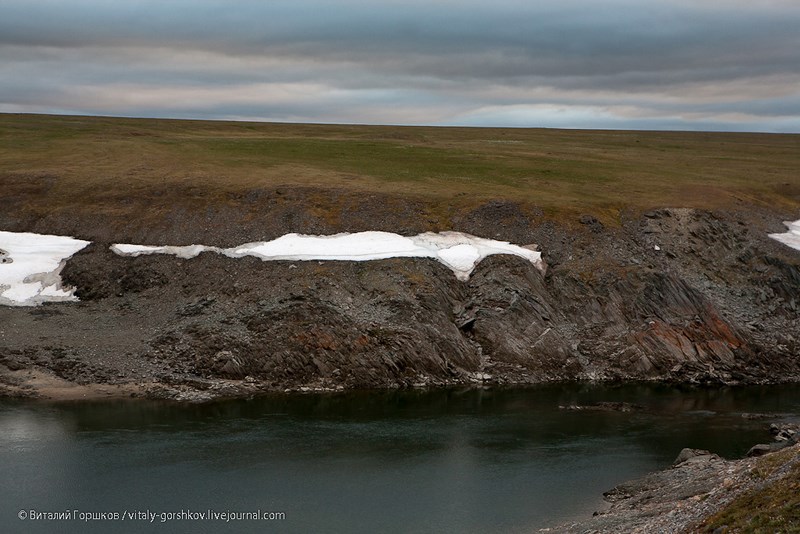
(671, 294)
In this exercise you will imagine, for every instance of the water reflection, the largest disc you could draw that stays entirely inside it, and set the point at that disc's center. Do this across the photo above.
(21, 428)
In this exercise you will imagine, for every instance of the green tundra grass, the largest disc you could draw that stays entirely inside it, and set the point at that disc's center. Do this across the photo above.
(561, 172)
(772, 508)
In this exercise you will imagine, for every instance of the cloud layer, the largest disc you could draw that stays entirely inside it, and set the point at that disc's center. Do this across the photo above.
(656, 64)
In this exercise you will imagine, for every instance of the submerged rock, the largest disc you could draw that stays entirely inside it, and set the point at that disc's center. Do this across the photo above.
(605, 407)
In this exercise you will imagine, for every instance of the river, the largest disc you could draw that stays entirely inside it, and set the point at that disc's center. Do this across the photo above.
(456, 460)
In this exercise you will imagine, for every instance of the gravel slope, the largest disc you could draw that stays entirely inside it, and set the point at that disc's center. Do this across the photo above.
(673, 294)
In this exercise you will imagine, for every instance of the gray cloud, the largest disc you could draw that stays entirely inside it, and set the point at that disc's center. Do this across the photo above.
(723, 64)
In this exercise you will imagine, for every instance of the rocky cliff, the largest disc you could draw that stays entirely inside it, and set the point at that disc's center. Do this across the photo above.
(670, 294)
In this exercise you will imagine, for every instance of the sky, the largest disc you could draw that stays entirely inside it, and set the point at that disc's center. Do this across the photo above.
(725, 65)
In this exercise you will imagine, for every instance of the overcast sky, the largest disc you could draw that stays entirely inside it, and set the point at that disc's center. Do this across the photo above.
(649, 64)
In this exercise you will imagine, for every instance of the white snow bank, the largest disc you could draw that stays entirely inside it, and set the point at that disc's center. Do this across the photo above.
(30, 265)
(460, 252)
(790, 238)
(186, 252)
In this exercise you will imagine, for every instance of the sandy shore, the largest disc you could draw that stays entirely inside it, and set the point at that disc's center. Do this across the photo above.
(40, 385)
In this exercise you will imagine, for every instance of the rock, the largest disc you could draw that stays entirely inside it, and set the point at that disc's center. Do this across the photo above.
(747, 415)
(197, 307)
(604, 407)
(687, 454)
(778, 428)
(466, 324)
(759, 450)
(655, 214)
(227, 364)
(482, 377)
(592, 222)
(786, 433)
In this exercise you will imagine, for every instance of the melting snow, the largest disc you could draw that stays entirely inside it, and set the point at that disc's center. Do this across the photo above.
(460, 252)
(30, 265)
(182, 252)
(790, 238)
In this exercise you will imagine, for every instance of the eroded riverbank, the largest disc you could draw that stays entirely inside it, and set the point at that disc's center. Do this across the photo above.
(672, 295)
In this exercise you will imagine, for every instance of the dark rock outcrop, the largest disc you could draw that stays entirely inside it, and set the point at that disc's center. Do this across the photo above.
(679, 295)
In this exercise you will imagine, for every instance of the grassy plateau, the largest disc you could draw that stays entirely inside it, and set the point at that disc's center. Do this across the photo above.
(97, 160)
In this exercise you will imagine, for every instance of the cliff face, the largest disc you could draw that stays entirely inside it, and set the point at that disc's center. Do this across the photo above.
(673, 294)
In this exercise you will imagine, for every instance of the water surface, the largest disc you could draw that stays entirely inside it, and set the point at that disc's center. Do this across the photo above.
(475, 460)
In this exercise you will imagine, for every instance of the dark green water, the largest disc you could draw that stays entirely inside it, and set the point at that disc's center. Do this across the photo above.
(496, 460)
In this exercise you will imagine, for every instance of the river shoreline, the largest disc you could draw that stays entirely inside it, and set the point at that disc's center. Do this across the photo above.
(700, 493)
(38, 385)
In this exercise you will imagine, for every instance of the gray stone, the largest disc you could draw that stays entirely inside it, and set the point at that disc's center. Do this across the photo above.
(759, 450)
(687, 454)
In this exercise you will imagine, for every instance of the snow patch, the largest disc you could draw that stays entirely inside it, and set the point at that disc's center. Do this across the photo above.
(187, 252)
(459, 252)
(30, 267)
(790, 238)
(30, 264)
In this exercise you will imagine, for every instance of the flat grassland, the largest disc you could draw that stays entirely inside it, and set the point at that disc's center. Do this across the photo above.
(98, 160)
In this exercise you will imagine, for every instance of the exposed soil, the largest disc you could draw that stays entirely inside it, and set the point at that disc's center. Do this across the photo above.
(673, 295)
